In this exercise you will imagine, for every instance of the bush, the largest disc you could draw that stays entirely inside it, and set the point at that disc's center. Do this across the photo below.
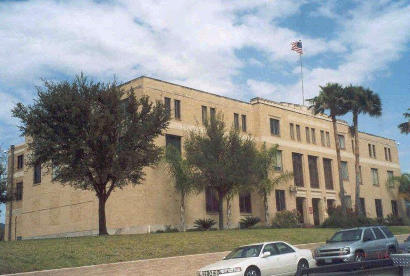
(393, 220)
(168, 229)
(204, 224)
(336, 219)
(286, 219)
(247, 222)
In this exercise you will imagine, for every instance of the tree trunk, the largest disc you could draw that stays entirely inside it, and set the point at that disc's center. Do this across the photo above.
(266, 205)
(183, 228)
(102, 225)
(339, 166)
(358, 207)
(228, 211)
(220, 210)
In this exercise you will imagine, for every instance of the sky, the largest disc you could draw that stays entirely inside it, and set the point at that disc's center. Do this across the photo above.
(240, 49)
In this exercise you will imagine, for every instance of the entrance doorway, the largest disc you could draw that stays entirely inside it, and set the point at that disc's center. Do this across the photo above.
(315, 205)
(300, 202)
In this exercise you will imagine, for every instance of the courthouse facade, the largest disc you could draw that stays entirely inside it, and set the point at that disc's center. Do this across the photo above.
(43, 208)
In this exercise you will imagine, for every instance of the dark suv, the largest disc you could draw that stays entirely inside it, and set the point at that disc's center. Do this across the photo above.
(357, 244)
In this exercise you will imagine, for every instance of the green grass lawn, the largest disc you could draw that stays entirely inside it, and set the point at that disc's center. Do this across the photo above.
(30, 255)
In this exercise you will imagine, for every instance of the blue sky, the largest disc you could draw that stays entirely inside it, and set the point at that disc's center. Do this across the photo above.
(240, 49)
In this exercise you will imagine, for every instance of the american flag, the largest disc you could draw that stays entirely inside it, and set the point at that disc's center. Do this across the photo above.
(297, 47)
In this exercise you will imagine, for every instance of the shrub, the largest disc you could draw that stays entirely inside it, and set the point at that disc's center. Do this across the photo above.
(204, 224)
(247, 222)
(168, 229)
(286, 219)
(393, 220)
(336, 219)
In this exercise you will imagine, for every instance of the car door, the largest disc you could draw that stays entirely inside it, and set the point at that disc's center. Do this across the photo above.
(369, 245)
(287, 258)
(270, 265)
(380, 243)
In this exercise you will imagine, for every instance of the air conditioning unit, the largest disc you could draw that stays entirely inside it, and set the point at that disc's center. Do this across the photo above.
(293, 189)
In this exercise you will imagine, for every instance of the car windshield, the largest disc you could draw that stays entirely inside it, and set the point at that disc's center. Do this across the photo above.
(349, 235)
(245, 252)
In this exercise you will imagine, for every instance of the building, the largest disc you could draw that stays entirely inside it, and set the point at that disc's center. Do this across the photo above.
(44, 208)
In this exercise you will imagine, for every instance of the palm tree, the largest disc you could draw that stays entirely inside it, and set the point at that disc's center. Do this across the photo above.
(361, 101)
(405, 127)
(331, 97)
(265, 162)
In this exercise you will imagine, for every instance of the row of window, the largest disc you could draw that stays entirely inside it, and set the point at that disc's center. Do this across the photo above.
(177, 107)
(236, 121)
(212, 113)
(310, 134)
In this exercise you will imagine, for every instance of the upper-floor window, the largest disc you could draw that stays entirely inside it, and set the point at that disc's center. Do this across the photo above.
(245, 205)
(167, 102)
(292, 131)
(298, 137)
(19, 191)
(212, 113)
(322, 138)
(313, 135)
(375, 176)
(342, 143)
(307, 135)
(352, 145)
(372, 150)
(313, 171)
(390, 178)
(278, 161)
(280, 200)
(243, 123)
(345, 170)
(327, 139)
(387, 154)
(177, 104)
(360, 175)
(211, 200)
(274, 127)
(379, 208)
(236, 121)
(327, 169)
(297, 169)
(20, 161)
(37, 173)
(204, 114)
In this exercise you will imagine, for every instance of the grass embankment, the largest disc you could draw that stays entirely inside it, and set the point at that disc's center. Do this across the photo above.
(30, 255)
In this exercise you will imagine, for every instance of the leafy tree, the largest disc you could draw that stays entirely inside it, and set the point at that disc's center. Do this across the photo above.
(331, 97)
(360, 101)
(99, 137)
(184, 181)
(405, 127)
(222, 161)
(265, 182)
(404, 184)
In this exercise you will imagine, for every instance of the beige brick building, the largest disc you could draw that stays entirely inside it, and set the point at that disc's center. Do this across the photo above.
(45, 208)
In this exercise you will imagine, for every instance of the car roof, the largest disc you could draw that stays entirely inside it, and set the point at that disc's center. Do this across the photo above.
(362, 227)
(261, 243)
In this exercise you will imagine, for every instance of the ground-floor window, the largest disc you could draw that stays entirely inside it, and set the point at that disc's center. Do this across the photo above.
(363, 204)
(394, 208)
(245, 205)
(379, 208)
(211, 200)
(280, 200)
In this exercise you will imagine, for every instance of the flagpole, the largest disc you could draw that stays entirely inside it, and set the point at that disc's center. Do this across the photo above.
(301, 74)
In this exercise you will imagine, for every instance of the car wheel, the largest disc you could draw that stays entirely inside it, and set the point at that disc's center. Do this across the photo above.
(392, 250)
(302, 265)
(359, 256)
(252, 271)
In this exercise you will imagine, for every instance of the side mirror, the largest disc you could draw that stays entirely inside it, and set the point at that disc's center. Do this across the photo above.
(265, 254)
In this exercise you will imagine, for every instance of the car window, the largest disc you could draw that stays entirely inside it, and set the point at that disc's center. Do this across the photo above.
(387, 232)
(347, 235)
(368, 235)
(271, 248)
(378, 233)
(284, 248)
(245, 252)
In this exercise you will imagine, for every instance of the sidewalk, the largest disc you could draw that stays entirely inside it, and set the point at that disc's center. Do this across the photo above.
(179, 265)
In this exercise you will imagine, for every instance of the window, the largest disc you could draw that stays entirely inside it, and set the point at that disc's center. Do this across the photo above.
(368, 235)
(37, 173)
(271, 248)
(389, 154)
(342, 143)
(292, 131)
(327, 168)
(236, 121)
(19, 191)
(322, 138)
(173, 140)
(204, 114)
(20, 161)
(348, 200)
(370, 150)
(211, 200)
(245, 203)
(345, 170)
(307, 135)
(212, 113)
(313, 172)
(374, 151)
(274, 127)
(386, 231)
(280, 200)
(375, 177)
(297, 169)
(363, 204)
(313, 135)
(244, 123)
(298, 133)
(327, 139)
(352, 145)
(390, 179)
(360, 176)
(379, 208)
(177, 104)
(168, 106)
(278, 161)
(394, 209)
(378, 233)
(284, 248)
